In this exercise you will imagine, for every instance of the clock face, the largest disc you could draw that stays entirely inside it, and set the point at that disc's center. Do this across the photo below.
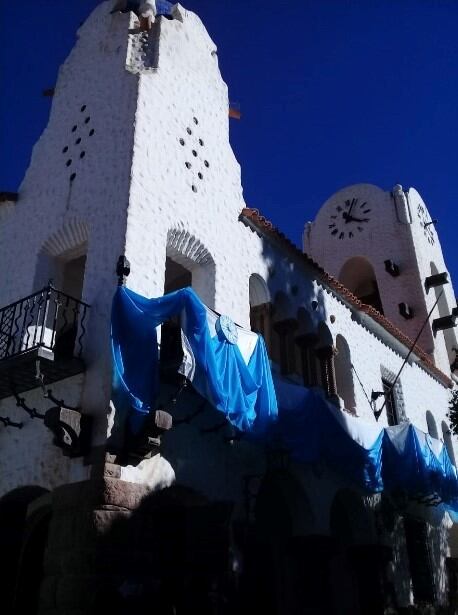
(426, 223)
(349, 219)
(227, 328)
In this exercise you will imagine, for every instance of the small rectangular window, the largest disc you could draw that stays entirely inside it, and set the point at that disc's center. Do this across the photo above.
(390, 403)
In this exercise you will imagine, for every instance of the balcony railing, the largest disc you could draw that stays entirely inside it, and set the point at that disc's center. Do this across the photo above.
(48, 326)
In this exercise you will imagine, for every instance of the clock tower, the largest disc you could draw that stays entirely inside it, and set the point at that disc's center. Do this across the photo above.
(383, 246)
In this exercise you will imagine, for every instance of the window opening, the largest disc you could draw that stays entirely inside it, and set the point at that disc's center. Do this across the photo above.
(390, 403)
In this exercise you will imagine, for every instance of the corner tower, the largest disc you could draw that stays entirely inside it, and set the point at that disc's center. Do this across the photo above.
(384, 247)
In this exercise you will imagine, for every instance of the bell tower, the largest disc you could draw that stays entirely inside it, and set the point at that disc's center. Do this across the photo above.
(383, 246)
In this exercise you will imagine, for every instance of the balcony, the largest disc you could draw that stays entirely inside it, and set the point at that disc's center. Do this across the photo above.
(41, 340)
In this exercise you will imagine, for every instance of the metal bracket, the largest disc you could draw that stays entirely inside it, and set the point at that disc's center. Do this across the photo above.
(214, 429)
(20, 402)
(9, 423)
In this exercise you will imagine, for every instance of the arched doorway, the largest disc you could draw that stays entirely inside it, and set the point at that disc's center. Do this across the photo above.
(358, 275)
(357, 570)
(13, 527)
(286, 564)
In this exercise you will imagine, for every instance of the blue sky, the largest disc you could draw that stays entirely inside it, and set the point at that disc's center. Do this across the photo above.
(333, 92)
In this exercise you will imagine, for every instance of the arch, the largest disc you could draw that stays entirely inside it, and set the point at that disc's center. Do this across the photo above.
(357, 566)
(431, 423)
(283, 330)
(444, 310)
(259, 292)
(62, 259)
(344, 374)
(13, 522)
(349, 520)
(282, 508)
(260, 308)
(447, 436)
(358, 275)
(189, 254)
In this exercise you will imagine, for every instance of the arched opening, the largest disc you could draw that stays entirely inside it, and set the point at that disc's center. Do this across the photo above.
(358, 568)
(31, 564)
(447, 436)
(443, 308)
(283, 330)
(358, 275)
(260, 308)
(306, 339)
(344, 374)
(285, 563)
(62, 259)
(13, 523)
(431, 424)
(188, 263)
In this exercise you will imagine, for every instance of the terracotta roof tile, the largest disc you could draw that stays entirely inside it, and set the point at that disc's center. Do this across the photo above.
(268, 228)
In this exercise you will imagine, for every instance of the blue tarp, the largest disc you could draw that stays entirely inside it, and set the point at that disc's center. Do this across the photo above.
(243, 392)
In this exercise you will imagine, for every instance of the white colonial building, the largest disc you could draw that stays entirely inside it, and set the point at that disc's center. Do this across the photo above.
(191, 516)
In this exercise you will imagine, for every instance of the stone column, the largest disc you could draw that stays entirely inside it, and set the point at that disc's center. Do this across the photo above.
(327, 367)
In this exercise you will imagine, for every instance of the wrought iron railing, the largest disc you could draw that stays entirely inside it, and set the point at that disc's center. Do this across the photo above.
(47, 319)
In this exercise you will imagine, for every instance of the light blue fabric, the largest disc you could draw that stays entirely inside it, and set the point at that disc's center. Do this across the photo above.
(244, 393)
(312, 429)
(400, 457)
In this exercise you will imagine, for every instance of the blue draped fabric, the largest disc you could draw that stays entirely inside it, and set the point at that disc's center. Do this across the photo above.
(244, 393)
(312, 429)
(374, 458)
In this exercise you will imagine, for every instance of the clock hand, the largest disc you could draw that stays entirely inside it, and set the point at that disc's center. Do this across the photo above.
(352, 219)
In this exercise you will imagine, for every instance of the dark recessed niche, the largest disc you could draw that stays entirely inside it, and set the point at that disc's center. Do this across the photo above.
(201, 142)
(194, 153)
(69, 162)
(83, 108)
(65, 149)
(74, 128)
(189, 131)
(196, 121)
(194, 188)
(188, 165)
(82, 154)
(199, 175)
(206, 163)
(78, 141)
(87, 120)
(181, 141)
(72, 176)
(91, 132)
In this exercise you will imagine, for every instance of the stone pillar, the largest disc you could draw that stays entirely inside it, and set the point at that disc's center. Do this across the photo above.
(328, 372)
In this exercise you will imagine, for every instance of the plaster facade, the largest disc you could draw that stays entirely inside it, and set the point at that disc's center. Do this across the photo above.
(136, 160)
